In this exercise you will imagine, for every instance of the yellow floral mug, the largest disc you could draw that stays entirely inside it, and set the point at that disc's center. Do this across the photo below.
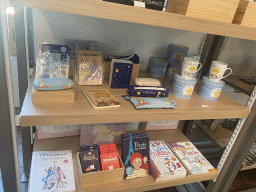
(217, 71)
(190, 67)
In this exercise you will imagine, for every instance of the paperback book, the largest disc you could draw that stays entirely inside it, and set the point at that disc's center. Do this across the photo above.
(164, 164)
(53, 171)
(192, 159)
(101, 98)
(136, 155)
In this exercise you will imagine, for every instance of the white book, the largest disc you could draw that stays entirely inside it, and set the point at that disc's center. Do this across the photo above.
(54, 172)
(164, 164)
(191, 157)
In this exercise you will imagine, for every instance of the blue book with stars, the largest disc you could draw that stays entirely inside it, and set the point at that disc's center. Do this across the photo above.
(120, 73)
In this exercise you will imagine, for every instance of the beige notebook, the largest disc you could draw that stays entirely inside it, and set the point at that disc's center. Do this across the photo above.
(101, 98)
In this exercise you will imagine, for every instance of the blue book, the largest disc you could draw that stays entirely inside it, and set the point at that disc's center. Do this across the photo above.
(120, 73)
(136, 155)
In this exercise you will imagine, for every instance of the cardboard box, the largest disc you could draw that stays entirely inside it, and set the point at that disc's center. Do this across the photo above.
(246, 14)
(94, 178)
(215, 10)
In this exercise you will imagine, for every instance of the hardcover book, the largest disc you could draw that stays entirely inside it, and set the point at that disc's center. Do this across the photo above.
(191, 158)
(164, 164)
(90, 161)
(101, 98)
(120, 73)
(54, 171)
(136, 155)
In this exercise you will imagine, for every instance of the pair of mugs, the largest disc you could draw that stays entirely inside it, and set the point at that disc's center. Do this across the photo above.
(191, 65)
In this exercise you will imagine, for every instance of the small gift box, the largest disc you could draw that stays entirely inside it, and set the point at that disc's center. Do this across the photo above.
(148, 91)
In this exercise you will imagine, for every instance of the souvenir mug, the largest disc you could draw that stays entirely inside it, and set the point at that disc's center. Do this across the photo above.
(190, 67)
(217, 71)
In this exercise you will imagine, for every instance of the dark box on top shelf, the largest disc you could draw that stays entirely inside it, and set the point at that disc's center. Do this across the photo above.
(148, 4)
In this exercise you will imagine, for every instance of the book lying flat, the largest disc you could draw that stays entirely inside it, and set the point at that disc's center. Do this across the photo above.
(164, 164)
(191, 158)
(101, 98)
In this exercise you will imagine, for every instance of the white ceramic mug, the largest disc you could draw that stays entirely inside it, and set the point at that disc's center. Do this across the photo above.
(217, 71)
(190, 67)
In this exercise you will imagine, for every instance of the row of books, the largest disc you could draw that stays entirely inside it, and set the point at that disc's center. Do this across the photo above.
(53, 170)
(142, 157)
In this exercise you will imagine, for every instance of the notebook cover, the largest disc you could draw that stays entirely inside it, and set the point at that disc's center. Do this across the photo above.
(121, 72)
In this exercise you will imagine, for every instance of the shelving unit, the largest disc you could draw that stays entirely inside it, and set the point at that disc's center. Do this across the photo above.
(81, 112)
(101, 9)
(138, 184)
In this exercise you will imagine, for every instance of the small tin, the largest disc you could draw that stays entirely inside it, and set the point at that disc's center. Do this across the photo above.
(158, 67)
(176, 54)
(183, 88)
(210, 90)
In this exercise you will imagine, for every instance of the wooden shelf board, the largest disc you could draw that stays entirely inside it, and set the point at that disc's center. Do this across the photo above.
(244, 167)
(107, 10)
(81, 111)
(139, 184)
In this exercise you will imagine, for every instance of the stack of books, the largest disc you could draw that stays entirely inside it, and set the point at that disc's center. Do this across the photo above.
(192, 159)
(164, 164)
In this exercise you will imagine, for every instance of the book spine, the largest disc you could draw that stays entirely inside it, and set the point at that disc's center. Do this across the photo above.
(154, 170)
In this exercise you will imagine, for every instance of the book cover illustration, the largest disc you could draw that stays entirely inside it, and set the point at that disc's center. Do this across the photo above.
(101, 98)
(120, 73)
(54, 171)
(164, 164)
(90, 161)
(136, 155)
(102, 133)
(191, 157)
(109, 157)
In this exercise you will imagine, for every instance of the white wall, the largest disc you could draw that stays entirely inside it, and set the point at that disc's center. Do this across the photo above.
(116, 37)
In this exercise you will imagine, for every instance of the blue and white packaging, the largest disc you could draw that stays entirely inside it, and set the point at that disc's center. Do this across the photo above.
(158, 67)
(183, 88)
(210, 90)
(175, 57)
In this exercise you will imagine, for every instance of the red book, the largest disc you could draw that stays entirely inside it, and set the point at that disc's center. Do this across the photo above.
(109, 157)
(108, 148)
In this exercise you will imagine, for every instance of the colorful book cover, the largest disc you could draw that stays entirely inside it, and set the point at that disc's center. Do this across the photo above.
(101, 98)
(90, 161)
(54, 171)
(164, 164)
(120, 73)
(136, 155)
(191, 158)
(102, 133)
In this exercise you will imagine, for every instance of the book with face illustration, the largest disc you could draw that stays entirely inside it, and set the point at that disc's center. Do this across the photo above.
(191, 158)
(136, 155)
(101, 98)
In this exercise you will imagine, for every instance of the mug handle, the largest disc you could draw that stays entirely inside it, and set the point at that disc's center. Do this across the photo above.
(199, 67)
(228, 74)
